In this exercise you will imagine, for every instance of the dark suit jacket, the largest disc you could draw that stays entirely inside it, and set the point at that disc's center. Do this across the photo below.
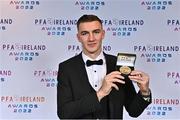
(77, 99)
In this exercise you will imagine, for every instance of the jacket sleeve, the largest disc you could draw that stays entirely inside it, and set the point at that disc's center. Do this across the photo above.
(134, 102)
(67, 105)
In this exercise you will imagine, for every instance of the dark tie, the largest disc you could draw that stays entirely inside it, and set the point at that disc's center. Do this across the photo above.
(95, 62)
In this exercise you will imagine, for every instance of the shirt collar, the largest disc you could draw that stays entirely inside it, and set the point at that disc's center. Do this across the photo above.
(100, 56)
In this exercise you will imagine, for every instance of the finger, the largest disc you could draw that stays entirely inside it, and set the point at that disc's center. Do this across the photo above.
(118, 76)
(115, 76)
(138, 73)
(115, 86)
(135, 77)
(118, 80)
(137, 81)
(115, 73)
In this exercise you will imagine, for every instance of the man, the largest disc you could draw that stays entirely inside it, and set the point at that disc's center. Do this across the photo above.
(97, 90)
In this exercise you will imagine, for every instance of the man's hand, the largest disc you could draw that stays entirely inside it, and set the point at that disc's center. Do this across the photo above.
(109, 83)
(142, 80)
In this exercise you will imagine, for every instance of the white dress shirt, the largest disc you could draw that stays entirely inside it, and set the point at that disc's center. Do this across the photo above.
(95, 73)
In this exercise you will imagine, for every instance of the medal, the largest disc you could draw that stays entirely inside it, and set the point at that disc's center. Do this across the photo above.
(125, 70)
(125, 63)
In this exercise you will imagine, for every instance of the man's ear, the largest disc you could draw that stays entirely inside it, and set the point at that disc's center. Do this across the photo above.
(103, 34)
(78, 37)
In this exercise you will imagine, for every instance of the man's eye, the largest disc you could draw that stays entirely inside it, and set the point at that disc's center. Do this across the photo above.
(97, 31)
(84, 33)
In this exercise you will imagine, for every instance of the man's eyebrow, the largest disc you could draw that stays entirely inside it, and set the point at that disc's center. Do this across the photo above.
(97, 30)
(89, 31)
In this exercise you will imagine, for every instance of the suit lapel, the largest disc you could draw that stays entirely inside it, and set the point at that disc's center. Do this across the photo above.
(83, 73)
(110, 65)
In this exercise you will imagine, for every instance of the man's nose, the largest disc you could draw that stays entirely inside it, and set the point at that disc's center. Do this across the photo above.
(91, 37)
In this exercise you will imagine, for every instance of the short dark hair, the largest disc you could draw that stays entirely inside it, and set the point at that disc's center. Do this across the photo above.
(88, 18)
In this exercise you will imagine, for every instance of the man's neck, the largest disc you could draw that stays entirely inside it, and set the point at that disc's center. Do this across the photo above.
(93, 55)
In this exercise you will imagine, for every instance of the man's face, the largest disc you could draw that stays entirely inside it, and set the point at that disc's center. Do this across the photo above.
(91, 34)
